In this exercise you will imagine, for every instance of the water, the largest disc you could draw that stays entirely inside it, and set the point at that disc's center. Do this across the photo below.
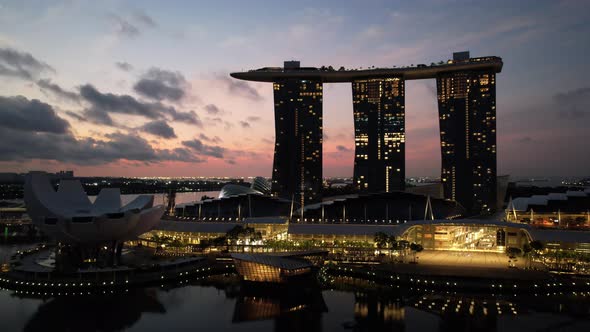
(221, 304)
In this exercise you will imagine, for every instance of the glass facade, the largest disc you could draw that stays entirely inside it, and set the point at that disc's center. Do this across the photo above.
(297, 166)
(258, 272)
(467, 117)
(379, 134)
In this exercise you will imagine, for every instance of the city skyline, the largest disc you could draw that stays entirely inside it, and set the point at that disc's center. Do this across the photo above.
(144, 90)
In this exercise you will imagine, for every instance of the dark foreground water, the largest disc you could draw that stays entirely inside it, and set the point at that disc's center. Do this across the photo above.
(222, 303)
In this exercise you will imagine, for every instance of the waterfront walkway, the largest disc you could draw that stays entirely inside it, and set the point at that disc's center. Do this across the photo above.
(489, 265)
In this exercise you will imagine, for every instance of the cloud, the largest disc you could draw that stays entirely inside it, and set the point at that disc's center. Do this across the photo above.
(241, 88)
(75, 115)
(190, 117)
(145, 19)
(574, 104)
(21, 64)
(212, 109)
(253, 118)
(98, 116)
(159, 128)
(231, 161)
(21, 145)
(104, 103)
(244, 124)
(20, 113)
(123, 27)
(342, 148)
(124, 66)
(124, 104)
(214, 139)
(204, 149)
(47, 85)
(31, 130)
(159, 84)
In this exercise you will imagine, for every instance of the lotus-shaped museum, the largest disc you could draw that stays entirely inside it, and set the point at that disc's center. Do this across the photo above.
(69, 216)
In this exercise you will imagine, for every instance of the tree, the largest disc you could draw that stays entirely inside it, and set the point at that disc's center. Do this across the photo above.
(160, 241)
(536, 245)
(527, 249)
(381, 240)
(402, 246)
(416, 248)
(512, 252)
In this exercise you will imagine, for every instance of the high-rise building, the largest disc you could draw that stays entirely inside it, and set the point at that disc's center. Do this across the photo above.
(467, 115)
(297, 166)
(379, 134)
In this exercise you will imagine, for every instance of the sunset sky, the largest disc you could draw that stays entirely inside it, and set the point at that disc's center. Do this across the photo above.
(142, 88)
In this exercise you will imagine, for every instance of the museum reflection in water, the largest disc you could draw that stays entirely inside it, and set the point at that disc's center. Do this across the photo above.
(95, 313)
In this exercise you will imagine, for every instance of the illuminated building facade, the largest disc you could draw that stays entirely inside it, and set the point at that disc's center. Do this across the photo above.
(379, 134)
(297, 165)
(467, 117)
(467, 111)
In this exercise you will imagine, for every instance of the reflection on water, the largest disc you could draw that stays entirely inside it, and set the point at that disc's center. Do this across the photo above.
(293, 309)
(97, 313)
(221, 303)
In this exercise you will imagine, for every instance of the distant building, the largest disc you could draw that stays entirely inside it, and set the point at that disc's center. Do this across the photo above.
(11, 178)
(570, 209)
(379, 134)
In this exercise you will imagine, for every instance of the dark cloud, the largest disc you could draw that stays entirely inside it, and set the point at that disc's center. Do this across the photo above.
(98, 116)
(253, 118)
(573, 104)
(31, 130)
(159, 84)
(342, 148)
(19, 146)
(204, 149)
(20, 64)
(145, 19)
(102, 104)
(20, 113)
(231, 161)
(241, 88)
(212, 109)
(244, 124)
(190, 117)
(124, 104)
(124, 66)
(48, 86)
(75, 116)
(159, 128)
(214, 139)
(123, 27)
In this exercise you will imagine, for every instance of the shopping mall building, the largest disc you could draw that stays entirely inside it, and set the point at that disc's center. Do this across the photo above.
(457, 234)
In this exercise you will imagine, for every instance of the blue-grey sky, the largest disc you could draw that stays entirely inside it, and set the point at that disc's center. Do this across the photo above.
(142, 87)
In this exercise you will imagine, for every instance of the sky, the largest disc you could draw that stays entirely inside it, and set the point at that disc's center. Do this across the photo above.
(142, 88)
